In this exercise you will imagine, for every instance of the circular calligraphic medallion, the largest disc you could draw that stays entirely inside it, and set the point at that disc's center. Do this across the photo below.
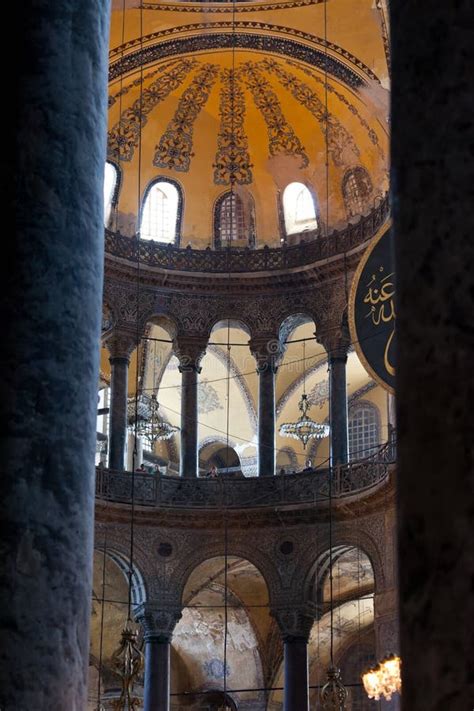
(372, 315)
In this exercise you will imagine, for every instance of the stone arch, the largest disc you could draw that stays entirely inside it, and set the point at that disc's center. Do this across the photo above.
(342, 542)
(205, 552)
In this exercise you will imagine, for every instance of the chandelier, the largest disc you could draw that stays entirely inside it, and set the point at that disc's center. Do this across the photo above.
(127, 662)
(304, 428)
(333, 693)
(150, 426)
(384, 679)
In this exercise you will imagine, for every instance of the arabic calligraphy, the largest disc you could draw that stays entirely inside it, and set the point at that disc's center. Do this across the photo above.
(380, 298)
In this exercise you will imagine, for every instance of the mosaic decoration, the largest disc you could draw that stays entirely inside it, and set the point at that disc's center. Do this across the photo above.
(282, 139)
(269, 43)
(124, 136)
(208, 398)
(197, 6)
(232, 158)
(319, 394)
(215, 668)
(370, 132)
(252, 25)
(338, 138)
(136, 82)
(175, 147)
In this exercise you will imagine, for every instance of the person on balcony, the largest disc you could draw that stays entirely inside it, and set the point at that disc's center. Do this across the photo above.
(212, 473)
(141, 469)
(308, 466)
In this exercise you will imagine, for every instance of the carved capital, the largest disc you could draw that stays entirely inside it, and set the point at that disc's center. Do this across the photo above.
(267, 351)
(189, 351)
(158, 623)
(120, 344)
(336, 340)
(295, 623)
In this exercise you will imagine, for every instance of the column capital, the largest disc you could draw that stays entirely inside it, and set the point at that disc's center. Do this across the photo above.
(337, 342)
(189, 350)
(267, 351)
(158, 622)
(120, 345)
(295, 622)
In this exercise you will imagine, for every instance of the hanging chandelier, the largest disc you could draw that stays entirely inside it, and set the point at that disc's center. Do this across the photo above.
(333, 693)
(150, 426)
(128, 662)
(304, 428)
(384, 679)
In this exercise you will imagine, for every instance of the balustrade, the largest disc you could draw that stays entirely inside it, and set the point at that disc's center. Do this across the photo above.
(303, 488)
(155, 254)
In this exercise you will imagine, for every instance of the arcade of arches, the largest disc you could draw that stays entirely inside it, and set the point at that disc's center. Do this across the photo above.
(233, 158)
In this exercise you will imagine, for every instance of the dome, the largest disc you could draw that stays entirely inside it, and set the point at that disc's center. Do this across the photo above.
(244, 103)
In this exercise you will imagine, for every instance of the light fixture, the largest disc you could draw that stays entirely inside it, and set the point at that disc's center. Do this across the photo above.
(384, 679)
(333, 693)
(127, 663)
(304, 428)
(150, 426)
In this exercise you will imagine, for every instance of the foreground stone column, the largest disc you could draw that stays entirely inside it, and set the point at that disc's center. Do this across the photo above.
(295, 626)
(386, 635)
(433, 173)
(266, 351)
(51, 276)
(189, 351)
(120, 347)
(159, 626)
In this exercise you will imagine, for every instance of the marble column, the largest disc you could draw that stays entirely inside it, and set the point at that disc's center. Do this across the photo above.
(266, 356)
(189, 352)
(338, 418)
(51, 276)
(295, 627)
(120, 348)
(159, 625)
(432, 123)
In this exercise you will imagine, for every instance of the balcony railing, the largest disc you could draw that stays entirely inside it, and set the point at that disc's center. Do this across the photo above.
(154, 254)
(228, 492)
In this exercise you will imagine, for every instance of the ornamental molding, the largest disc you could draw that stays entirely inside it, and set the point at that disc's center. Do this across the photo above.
(314, 57)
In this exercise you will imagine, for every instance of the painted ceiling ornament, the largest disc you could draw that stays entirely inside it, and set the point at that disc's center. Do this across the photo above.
(333, 693)
(232, 165)
(281, 137)
(339, 139)
(208, 398)
(174, 150)
(125, 135)
(127, 662)
(319, 394)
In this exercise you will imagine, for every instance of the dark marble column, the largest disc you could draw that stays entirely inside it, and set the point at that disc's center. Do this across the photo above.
(51, 274)
(338, 409)
(295, 626)
(189, 352)
(159, 626)
(266, 419)
(120, 347)
(433, 174)
(266, 352)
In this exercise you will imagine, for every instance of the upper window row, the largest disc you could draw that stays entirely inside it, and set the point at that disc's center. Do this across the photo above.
(234, 218)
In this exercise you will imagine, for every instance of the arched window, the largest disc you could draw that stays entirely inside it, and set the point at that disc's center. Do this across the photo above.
(229, 220)
(356, 190)
(110, 188)
(364, 430)
(160, 212)
(299, 209)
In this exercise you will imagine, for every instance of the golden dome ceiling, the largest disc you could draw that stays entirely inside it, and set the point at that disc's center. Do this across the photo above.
(203, 101)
